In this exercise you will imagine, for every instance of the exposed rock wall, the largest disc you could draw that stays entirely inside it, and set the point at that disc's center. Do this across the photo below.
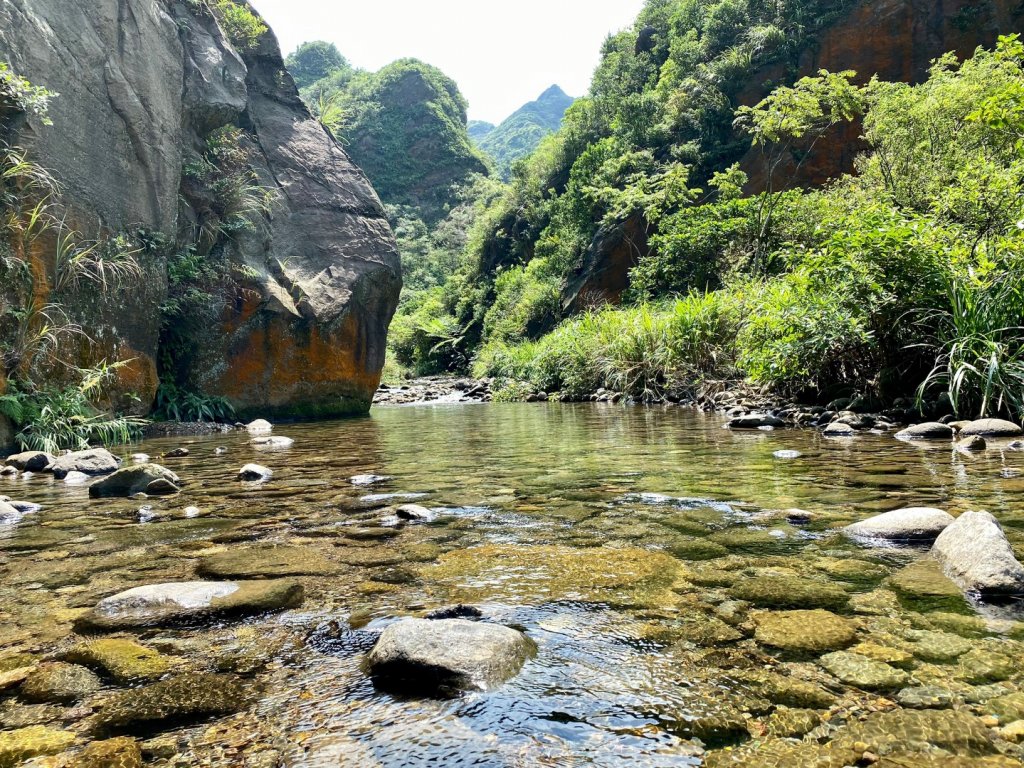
(141, 83)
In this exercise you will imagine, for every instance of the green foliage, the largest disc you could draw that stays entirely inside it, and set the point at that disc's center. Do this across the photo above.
(18, 95)
(174, 404)
(224, 191)
(405, 126)
(314, 61)
(57, 418)
(243, 27)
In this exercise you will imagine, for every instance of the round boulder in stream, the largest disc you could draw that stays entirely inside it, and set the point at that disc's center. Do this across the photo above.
(176, 602)
(30, 461)
(975, 553)
(139, 478)
(255, 473)
(96, 461)
(991, 428)
(929, 430)
(447, 656)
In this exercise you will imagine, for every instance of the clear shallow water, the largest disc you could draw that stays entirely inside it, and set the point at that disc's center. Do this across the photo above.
(617, 538)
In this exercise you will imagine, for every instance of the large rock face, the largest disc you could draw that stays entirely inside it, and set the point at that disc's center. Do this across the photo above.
(141, 83)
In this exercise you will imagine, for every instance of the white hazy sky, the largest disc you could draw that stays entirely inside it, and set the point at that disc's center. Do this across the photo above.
(502, 54)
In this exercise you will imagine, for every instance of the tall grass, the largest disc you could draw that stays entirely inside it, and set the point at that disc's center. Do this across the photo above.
(979, 346)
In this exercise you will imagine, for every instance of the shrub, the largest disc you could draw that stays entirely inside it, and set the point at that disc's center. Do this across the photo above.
(243, 27)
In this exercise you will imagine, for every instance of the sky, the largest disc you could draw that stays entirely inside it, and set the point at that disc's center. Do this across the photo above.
(502, 54)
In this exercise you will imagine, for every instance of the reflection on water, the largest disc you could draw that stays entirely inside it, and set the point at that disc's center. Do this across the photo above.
(637, 546)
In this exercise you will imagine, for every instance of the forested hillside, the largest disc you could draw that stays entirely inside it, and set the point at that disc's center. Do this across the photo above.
(522, 131)
(686, 186)
(404, 125)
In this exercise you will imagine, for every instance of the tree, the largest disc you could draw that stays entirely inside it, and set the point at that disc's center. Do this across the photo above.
(314, 61)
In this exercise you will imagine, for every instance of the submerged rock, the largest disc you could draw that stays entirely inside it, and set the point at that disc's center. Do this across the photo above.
(25, 743)
(789, 592)
(862, 672)
(261, 562)
(30, 461)
(270, 442)
(58, 683)
(991, 428)
(121, 752)
(96, 461)
(122, 660)
(910, 524)
(177, 453)
(924, 585)
(908, 730)
(783, 690)
(930, 430)
(972, 444)
(755, 421)
(185, 697)
(255, 473)
(174, 602)
(926, 697)
(812, 631)
(446, 656)
(151, 479)
(975, 553)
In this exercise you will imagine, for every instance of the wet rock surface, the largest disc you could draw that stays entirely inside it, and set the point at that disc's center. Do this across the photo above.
(150, 479)
(918, 524)
(445, 656)
(977, 555)
(157, 604)
(97, 461)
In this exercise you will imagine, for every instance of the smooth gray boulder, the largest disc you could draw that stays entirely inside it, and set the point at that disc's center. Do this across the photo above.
(96, 461)
(446, 656)
(910, 524)
(991, 428)
(176, 602)
(756, 421)
(975, 553)
(138, 478)
(259, 427)
(838, 429)
(271, 442)
(30, 461)
(929, 430)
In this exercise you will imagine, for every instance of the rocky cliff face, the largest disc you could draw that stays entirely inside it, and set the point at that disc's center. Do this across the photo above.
(142, 83)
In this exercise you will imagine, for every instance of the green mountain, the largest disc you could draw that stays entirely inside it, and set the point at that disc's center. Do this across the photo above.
(519, 134)
(404, 125)
(478, 129)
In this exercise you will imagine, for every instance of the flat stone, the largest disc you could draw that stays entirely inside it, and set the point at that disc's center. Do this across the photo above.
(121, 752)
(122, 660)
(789, 592)
(186, 697)
(915, 524)
(58, 683)
(368, 479)
(707, 631)
(255, 473)
(1007, 708)
(30, 461)
(272, 442)
(138, 478)
(980, 665)
(34, 741)
(174, 602)
(811, 631)
(96, 461)
(261, 562)
(991, 428)
(838, 429)
(937, 647)
(862, 672)
(924, 585)
(930, 430)
(926, 697)
(756, 421)
(414, 512)
(783, 690)
(447, 656)
(909, 730)
(886, 654)
(976, 555)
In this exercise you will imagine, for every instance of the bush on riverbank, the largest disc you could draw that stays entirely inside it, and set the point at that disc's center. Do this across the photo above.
(908, 274)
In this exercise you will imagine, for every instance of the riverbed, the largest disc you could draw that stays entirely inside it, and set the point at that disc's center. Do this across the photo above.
(640, 548)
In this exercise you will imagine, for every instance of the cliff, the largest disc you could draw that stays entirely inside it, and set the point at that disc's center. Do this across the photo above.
(143, 85)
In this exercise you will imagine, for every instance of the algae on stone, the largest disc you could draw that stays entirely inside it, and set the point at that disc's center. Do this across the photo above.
(124, 661)
(811, 631)
(862, 672)
(263, 562)
(24, 743)
(789, 592)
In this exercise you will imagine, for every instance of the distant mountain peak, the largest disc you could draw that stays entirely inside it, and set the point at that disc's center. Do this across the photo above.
(554, 92)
